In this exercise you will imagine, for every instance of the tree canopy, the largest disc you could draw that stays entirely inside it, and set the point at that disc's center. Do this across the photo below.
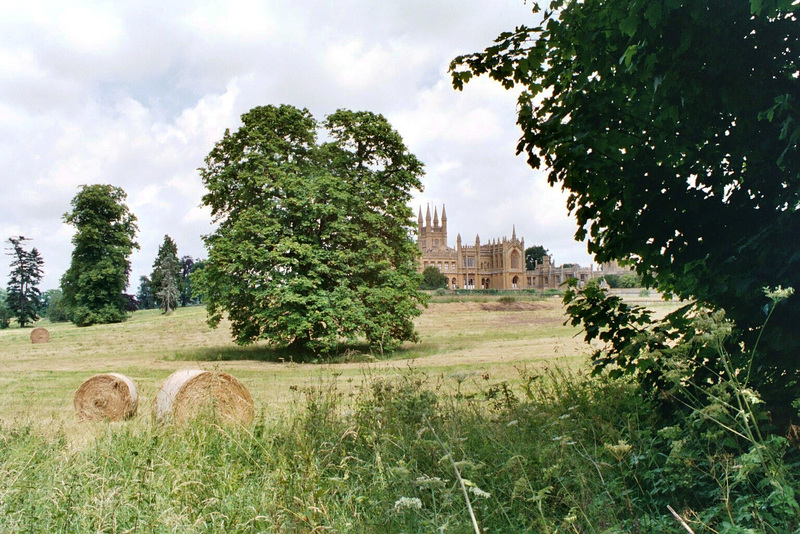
(145, 298)
(5, 313)
(93, 285)
(313, 239)
(187, 266)
(534, 255)
(432, 278)
(23, 296)
(674, 128)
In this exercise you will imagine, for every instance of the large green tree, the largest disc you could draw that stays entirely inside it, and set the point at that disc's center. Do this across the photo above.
(673, 126)
(23, 296)
(534, 255)
(313, 239)
(432, 278)
(104, 239)
(166, 275)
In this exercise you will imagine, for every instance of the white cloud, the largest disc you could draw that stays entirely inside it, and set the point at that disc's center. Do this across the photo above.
(86, 29)
(136, 95)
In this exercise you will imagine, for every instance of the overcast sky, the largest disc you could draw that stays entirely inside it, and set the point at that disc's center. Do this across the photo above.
(135, 94)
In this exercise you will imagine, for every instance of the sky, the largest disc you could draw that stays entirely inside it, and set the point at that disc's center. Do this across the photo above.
(136, 93)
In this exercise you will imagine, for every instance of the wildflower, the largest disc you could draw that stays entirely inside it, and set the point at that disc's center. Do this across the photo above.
(407, 503)
(751, 396)
(779, 293)
(431, 482)
(475, 490)
(620, 450)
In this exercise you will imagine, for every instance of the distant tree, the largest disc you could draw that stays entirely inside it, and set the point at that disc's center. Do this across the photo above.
(194, 274)
(629, 280)
(166, 265)
(187, 264)
(93, 285)
(131, 304)
(432, 278)
(23, 296)
(144, 295)
(53, 306)
(168, 293)
(312, 244)
(5, 312)
(534, 256)
(166, 275)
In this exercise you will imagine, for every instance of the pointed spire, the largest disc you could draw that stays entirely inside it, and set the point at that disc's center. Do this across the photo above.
(514, 232)
(428, 216)
(419, 220)
(435, 217)
(444, 216)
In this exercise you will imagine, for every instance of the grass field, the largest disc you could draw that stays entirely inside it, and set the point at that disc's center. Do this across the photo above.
(467, 338)
(491, 410)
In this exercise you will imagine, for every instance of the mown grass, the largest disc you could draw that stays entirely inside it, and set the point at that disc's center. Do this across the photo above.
(38, 381)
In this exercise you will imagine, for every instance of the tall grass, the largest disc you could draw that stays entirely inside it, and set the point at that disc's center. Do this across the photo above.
(554, 452)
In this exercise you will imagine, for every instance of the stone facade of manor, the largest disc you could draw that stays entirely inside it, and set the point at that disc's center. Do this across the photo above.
(497, 264)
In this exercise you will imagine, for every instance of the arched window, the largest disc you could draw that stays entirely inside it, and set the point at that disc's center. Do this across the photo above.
(514, 259)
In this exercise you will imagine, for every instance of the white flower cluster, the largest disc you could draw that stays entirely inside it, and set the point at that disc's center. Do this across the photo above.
(475, 490)
(407, 503)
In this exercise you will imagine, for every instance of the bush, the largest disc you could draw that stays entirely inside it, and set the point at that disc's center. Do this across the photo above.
(83, 316)
(432, 278)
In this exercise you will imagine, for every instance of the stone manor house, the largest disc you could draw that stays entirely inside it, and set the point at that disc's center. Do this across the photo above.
(498, 264)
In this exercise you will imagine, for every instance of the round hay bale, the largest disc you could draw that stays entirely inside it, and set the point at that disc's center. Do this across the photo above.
(110, 396)
(189, 393)
(40, 335)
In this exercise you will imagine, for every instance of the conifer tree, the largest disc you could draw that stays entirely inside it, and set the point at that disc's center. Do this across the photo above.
(23, 297)
(165, 278)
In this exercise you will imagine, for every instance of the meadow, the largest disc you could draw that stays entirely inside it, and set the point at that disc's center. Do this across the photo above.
(483, 336)
(490, 424)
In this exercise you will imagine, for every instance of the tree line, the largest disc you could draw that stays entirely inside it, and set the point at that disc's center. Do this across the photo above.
(92, 289)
